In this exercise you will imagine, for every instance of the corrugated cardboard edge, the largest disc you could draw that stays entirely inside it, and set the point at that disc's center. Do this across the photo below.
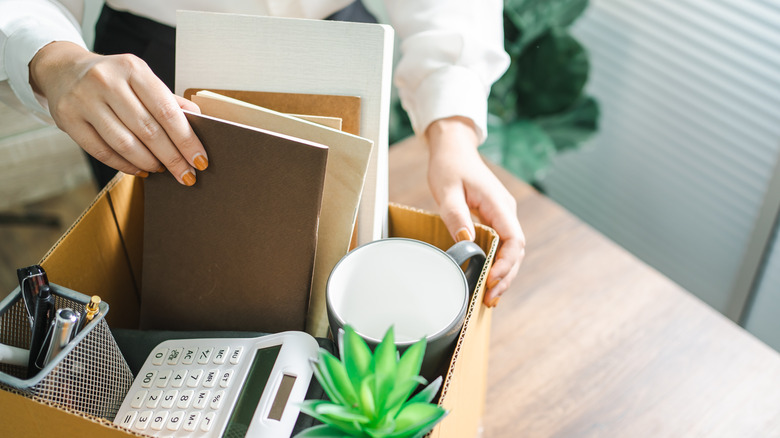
(34, 417)
(463, 390)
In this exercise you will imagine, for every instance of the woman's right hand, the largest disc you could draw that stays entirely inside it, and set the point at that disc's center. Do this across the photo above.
(118, 111)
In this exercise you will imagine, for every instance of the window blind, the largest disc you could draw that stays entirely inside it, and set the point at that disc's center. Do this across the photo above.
(690, 129)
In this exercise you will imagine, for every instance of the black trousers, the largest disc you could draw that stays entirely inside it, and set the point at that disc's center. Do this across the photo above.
(119, 32)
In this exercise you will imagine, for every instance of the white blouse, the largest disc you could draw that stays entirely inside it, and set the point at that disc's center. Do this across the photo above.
(451, 51)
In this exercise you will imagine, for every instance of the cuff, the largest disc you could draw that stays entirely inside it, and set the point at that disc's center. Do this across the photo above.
(20, 48)
(447, 92)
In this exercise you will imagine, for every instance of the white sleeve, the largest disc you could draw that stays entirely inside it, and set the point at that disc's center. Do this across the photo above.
(451, 54)
(25, 27)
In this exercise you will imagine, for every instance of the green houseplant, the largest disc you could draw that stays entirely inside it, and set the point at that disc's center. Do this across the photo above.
(538, 108)
(371, 393)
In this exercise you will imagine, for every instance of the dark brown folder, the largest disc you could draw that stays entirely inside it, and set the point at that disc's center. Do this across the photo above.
(236, 250)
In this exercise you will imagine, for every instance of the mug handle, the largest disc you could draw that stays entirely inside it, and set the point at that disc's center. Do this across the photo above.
(468, 250)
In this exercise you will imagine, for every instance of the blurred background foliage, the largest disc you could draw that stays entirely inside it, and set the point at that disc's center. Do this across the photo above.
(538, 108)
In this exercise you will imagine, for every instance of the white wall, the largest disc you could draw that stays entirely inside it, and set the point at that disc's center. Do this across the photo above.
(690, 133)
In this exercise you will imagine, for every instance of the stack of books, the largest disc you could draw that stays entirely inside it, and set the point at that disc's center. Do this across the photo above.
(294, 122)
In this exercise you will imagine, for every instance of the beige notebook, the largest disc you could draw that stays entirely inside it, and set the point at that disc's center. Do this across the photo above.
(345, 173)
(330, 122)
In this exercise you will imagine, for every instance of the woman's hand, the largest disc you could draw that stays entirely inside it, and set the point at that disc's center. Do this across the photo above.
(118, 111)
(461, 182)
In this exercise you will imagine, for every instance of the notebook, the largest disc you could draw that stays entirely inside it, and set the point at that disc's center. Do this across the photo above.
(348, 158)
(345, 108)
(232, 252)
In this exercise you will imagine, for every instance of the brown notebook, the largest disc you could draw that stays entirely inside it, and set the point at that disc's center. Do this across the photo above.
(347, 108)
(236, 250)
(348, 158)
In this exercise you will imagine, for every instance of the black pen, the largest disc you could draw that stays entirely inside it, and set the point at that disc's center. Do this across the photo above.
(31, 279)
(44, 314)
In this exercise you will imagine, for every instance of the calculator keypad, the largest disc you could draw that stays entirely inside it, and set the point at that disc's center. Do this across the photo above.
(180, 390)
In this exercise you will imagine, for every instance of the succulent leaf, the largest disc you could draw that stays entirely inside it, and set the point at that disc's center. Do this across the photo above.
(416, 418)
(312, 407)
(325, 381)
(428, 393)
(381, 430)
(399, 395)
(341, 381)
(385, 362)
(367, 396)
(386, 355)
(356, 356)
(309, 407)
(322, 431)
(411, 362)
(340, 413)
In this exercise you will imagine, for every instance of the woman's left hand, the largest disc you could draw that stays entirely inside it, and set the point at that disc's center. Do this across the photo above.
(461, 182)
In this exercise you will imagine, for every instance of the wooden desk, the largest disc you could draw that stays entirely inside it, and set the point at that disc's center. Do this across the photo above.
(591, 342)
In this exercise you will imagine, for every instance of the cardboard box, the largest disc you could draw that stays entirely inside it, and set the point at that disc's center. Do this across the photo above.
(101, 254)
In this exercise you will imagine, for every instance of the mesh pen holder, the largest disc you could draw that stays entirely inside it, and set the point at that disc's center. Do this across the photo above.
(89, 375)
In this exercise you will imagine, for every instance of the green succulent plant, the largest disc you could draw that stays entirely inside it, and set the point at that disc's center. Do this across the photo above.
(371, 394)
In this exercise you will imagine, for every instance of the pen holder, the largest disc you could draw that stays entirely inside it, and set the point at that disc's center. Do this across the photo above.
(89, 375)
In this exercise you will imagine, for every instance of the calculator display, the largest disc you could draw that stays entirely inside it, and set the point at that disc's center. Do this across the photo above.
(252, 391)
(280, 401)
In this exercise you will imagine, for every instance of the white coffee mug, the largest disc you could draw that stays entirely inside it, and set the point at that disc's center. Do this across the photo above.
(411, 285)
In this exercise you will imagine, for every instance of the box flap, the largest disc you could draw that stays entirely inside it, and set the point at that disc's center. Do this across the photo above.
(34, 419)
(90, 258)
(463, 391)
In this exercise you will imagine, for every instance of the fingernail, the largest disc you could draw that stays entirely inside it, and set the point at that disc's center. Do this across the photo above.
(142, 174)
(462, 234)
(494, 301)
(188, 178)
(160, 169)
(201, 163)
(493, 283)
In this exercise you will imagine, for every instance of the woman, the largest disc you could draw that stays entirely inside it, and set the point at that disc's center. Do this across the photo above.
(116, 107)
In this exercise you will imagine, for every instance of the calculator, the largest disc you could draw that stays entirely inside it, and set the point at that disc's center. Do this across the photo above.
(224, 387)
